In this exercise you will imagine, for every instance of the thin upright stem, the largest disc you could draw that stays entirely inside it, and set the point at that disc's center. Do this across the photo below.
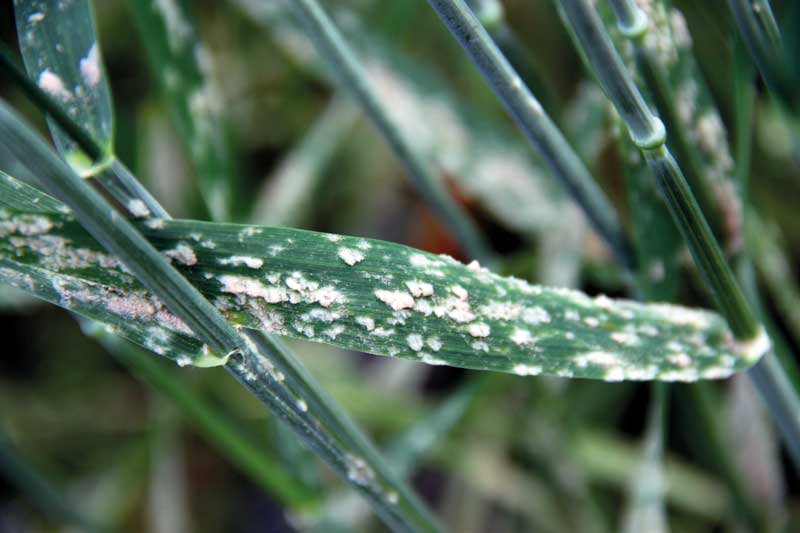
(757, 28)
(770, 379)
(633, 23)
(531, 118)
(331, 45)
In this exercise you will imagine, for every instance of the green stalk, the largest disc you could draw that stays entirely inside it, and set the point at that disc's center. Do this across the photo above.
(757, 28)
(491, 14)
(618, 85)
(633, 24)
(531, 118)
(332, 46)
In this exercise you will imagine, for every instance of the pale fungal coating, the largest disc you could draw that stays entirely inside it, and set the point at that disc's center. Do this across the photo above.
(51, 83)
(479, 330)
(90, 68)
(237, 260)
(434, 343)
(302, 405)
(522, 336)
(183, 254)
(526, 370)
(419, 289)
(397, 300)
(415, 342)
(350, 256)
(460, 292)
(358, 471)
(138, 208)
(365, 321)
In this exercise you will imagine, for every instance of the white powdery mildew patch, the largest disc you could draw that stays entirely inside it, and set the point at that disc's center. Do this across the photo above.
(615, 374)
(26, 225)
(57, 253)
(480, 346)
(526, 370)
(479, 330)
(246, 260)
(598, 358)
(681, 360)
(132, 306)
(419, 289)
(522, 337)
(90, 67)
(350, 256)
(52, 84)
(397, 300)
(591, 321)
(183, 254)
(173, 322)
(382, 332)
(36, 17)
(327, 296)
(626, 338)
(429, 359)
(365, 322)
(138, 208)
(415, 342)
(333, 332)
(21, 280)
(434, 343)
(683, 316)
(307, 291)
(460, 292)
(420, 261)
(321, 315)
(253, 288)
(455, 309)
(358, 471)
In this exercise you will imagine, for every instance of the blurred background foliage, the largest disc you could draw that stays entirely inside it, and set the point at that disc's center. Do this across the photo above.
(86, 433)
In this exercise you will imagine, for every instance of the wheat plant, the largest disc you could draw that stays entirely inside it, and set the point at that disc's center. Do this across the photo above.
(544, 297)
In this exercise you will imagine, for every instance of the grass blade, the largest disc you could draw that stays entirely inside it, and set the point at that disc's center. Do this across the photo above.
(531, 118)
(646, 510)
(184, 70)
(350, 292)
(331, 45)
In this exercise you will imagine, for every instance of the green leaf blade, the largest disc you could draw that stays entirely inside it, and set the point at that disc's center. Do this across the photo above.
(382, 298)
(60, 51)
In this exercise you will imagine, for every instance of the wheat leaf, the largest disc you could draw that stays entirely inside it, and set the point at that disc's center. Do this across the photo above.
(368, 295)
(57, 42)
(184, 70)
